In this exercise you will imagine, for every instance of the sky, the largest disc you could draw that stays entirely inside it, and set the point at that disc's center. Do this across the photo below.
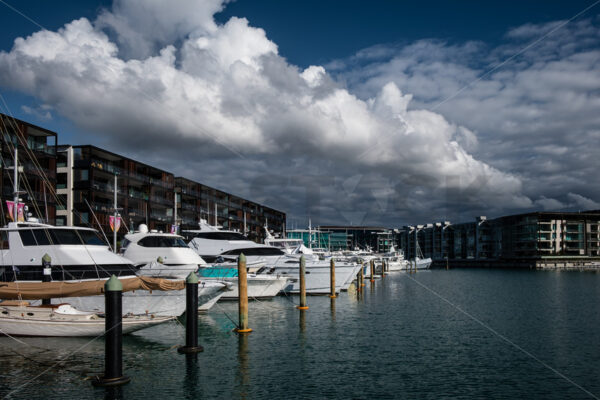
(359, 113)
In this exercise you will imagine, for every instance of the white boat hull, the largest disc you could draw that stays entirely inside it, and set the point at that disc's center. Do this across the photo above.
(64, 320)
(24, 327)
(317, 277)
(158, 303)
(259, 287)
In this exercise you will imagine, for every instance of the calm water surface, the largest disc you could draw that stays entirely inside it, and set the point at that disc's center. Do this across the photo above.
(401, 339)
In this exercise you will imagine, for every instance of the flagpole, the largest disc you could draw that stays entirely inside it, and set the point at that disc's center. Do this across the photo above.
(16, 187)
(116, 213)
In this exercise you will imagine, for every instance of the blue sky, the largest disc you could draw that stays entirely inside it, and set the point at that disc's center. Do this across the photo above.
(411, 112)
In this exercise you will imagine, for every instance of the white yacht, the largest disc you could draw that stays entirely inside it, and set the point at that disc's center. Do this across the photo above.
(212, 243)
(166, 255)
(395, 259)
(260, 286)
(78, 254)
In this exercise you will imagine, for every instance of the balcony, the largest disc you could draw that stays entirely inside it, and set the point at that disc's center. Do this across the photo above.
(161, 200)
(161, 183)
(136, 194)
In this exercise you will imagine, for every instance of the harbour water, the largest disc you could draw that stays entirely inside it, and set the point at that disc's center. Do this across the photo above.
(460, 333)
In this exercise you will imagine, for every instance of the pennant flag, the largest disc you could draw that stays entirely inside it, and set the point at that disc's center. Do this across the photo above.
(20, 211)
(115, 224)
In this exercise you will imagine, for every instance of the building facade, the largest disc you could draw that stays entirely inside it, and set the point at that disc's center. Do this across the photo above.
(37, 168)
(538, 239)
(195, 201)
(149, 195)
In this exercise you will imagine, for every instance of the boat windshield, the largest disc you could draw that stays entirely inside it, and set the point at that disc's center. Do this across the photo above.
(162, 241)
(50, 236)
(285, 244)
(255, 251)
(220, 236)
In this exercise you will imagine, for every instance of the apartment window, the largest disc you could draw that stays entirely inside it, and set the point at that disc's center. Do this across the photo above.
(81, 175)
(61, 181)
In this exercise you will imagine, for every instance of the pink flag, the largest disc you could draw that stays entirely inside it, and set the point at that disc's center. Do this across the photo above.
(20, 210)
(115, 224)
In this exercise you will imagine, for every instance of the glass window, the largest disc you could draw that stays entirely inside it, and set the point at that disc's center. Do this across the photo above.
(4, 240)
(221, 236)
(27, 237)
(91, 238)
(46, 237)
(162, 241)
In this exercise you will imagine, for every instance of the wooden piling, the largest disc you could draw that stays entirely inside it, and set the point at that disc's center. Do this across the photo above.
(243, 295)
(362, 276)
(302, 271)
(332, 278)
(372, 271)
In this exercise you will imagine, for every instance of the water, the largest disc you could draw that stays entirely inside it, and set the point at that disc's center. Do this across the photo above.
(400, 340)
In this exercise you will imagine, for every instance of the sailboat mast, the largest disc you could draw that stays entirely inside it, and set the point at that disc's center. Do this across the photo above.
(116, 213)
(175, 214)
(16, 185)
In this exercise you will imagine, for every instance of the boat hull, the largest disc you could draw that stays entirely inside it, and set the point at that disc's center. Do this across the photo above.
(158, 303)
(25, 327)
(317, 278)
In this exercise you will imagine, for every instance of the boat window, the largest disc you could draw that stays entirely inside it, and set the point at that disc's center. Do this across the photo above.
(4, 240)
(125, 243)
(162, 241)
(255, 251)
(27, 237)
(220, 236)
(46, 237)
(91, 238)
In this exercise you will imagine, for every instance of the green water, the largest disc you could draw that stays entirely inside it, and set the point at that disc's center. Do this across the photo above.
(467, 334)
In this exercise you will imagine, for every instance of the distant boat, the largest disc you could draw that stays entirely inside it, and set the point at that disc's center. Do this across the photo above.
(18, 318)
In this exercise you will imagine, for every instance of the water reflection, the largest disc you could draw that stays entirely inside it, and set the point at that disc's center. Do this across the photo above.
(302, 322)
(332, 309)
(113, 393)
(243, 374)
(191, 386)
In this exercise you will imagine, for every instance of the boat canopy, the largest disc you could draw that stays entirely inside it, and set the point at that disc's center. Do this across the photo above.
(48, 290)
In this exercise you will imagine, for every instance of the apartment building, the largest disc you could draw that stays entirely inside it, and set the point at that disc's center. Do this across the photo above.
(37, 161)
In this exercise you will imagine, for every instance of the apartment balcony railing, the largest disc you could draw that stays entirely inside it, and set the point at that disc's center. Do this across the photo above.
(191, 207)
(161, 183)
(137, 194)
(161, 200)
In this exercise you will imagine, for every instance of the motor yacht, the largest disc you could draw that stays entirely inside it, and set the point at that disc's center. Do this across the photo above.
(166, 255)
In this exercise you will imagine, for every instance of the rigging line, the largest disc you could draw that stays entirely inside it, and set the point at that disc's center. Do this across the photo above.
(61, 360)
(22, 15)
(499, 335)
(12, 121)
(19, 135)
(151, 99)
(97, 222)
(227, 315)
(524, 49)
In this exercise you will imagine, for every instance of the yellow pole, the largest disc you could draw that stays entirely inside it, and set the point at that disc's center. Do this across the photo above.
(302, 268)
(362, 276)
(243, 295)
(332, 278)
